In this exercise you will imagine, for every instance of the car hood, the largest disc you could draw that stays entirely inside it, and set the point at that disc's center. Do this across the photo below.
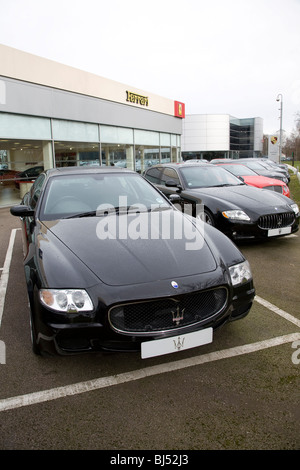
(245, 197)
(131, 258)
(270, 173)
(262, 181)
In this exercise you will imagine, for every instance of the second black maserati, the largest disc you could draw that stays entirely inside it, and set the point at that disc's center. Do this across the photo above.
(224, 201)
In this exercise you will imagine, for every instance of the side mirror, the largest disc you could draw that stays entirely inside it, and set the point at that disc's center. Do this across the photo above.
(174, 198)
(21, 211)
(241, 178)
(173, 184)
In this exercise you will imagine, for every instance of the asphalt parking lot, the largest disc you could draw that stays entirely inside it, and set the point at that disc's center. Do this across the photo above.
(239, 392)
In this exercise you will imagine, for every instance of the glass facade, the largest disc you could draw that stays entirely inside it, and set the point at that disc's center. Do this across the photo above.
(242, 135)
(221, 136)
(205, 155)
(30, 144)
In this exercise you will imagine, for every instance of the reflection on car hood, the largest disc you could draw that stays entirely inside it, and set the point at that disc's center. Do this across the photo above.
(246, 197)
(131, 261)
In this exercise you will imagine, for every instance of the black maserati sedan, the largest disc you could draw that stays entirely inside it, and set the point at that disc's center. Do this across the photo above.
(111, 264)
(221, 199)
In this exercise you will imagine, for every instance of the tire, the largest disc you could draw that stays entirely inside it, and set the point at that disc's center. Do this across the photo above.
(207, 217)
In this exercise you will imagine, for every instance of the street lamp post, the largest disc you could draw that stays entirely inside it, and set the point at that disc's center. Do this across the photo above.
(279, 98)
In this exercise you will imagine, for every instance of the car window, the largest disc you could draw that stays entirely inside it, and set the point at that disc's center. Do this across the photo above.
(36, 190)
(239, 170)
(169, 174)
(153, 175)
(70, 195)
(255, 166)
(208, 176)
(35, 171)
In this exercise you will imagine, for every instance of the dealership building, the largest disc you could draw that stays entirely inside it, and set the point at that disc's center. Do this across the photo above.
(208, 136)
(53, 115)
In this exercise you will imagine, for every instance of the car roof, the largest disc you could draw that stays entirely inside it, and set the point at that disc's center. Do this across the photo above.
(230, 163)
(70, 170)
(179, 165)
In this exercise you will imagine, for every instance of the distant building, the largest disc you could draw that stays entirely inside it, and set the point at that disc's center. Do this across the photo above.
(208, 136)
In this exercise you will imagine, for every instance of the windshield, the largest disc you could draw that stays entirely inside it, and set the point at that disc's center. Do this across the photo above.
(208, 176)
(239, 170)
(97, 194)
(255, 165)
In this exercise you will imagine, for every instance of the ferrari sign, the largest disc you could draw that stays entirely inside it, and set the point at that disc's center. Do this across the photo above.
(137, 99)
(179, 109)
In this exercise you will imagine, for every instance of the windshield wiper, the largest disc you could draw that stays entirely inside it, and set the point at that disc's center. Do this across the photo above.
(114, 210)
(159, 208)
(81, 214)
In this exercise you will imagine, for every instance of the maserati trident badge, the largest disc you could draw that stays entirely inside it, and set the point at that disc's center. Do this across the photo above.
(178, 344)
(178, 315)
(174, 284)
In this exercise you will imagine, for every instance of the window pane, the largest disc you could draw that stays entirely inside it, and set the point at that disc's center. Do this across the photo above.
(146, 138)
(24, 127)
(117, 155)
(21, 162)
(76, 154)
(165, 155)
(165, 139)
(116, 135)
(75, 131)
(145, 156)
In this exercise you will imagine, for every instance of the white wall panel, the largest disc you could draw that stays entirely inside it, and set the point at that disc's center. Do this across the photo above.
(203, 132)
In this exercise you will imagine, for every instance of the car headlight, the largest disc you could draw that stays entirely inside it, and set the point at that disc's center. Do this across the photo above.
(240, 273)
(66, 300)
(295, 208)
(236, 215)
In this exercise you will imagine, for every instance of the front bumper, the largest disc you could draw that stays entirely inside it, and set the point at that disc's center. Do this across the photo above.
(87, 334)
(239, 231)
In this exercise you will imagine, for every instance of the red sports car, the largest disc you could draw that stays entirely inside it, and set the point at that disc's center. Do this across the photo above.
(253, 179)
(7, 176)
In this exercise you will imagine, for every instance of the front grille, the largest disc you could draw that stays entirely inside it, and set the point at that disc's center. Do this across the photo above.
(276, 220)
(148, 317)
(277, 189)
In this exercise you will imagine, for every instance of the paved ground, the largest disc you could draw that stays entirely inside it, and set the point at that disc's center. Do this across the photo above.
(240, 392)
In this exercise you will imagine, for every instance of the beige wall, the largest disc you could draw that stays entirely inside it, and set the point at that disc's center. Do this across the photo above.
(34, 69)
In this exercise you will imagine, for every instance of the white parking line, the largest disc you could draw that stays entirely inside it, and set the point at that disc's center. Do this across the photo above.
(103, 382)
(5, 271)
(277, 310)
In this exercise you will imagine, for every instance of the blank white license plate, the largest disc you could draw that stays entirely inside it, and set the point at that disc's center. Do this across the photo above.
(279, 231)
(173, 344)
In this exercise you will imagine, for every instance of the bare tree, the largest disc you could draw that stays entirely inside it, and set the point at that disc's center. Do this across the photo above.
(291, 146)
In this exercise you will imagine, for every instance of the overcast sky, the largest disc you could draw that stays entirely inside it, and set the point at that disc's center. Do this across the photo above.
(217, 56)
